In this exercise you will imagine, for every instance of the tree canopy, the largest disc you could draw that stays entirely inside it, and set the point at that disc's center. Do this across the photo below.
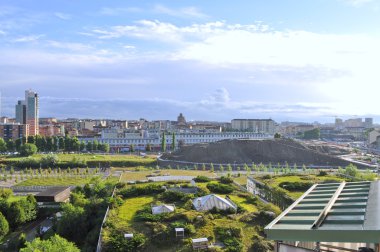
(54, 244)
(28, 149)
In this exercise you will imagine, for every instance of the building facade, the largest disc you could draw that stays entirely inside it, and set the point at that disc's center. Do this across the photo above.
(27, 112)
(122, 141)
(266, 126)
(13, 131)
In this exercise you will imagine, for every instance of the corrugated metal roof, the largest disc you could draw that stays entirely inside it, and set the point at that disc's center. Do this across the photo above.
(327, 211)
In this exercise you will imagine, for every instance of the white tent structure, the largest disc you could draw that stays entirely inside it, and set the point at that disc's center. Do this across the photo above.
(163, 209)
(211, 201)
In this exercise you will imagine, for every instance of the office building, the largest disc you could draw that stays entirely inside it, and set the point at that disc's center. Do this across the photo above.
(27, 112)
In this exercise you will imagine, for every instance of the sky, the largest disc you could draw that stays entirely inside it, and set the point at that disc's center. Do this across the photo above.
(288, 60)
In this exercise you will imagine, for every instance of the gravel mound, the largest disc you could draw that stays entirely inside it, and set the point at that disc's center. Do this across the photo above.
(259, 151)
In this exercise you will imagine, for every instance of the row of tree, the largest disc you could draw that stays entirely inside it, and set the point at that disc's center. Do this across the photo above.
(52, 144)
(163, 142)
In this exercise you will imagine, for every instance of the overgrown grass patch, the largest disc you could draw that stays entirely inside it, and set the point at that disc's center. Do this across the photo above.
(59, 181)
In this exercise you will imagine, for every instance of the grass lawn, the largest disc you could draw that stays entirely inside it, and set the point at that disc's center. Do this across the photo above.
(242, 180)
(55, 181)
(141, 175)
(243, 202)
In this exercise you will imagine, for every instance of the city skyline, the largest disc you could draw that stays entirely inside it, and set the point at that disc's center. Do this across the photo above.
(157, 59)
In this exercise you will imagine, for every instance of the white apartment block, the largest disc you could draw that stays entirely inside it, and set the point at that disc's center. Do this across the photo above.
(140, 141)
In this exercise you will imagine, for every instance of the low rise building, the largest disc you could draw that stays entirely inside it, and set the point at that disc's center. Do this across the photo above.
(54, 195)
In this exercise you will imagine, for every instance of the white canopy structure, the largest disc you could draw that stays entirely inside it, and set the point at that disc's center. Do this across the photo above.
(211, 201)
(163, 209)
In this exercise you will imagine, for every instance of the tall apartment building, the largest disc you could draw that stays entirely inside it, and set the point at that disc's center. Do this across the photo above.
(13, 131)
(266, 126)
(27, 112)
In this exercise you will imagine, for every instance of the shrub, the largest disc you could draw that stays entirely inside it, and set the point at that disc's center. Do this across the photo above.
(5, 193)
(267, 176)
(295, 186)
(220, 188)
(226, 180)
(118, 243)
(231, 237)
(261, 245)
(4, 226)
(322, 173)
(28, 149)
(173, 196)
(50, 160)
(202, 179)
(135, 191)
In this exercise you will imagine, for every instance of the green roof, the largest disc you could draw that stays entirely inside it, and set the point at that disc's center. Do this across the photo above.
(334, 212)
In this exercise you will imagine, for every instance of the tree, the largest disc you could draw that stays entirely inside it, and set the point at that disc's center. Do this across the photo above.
(312, 134)
(4, 226)
(95, 145)
(221, 168)
(31, 139)
(131, 148)
(351, 170)
(75, 144)
(106, 148)
(89, 146)
(277, 135)
(148, 147)
(3, 145)
(229, 168)
(49, 144)
(61, 143)
(11, 145)
(163, 142)
(212, 167)
(28, 149)
(173, 142)
(72, 223)
(53, 244)
(82, 146)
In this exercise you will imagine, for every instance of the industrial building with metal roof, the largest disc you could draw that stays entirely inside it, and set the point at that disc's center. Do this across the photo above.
(332, 213)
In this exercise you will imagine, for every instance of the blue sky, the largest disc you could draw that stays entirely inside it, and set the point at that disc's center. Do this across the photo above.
(211, 60)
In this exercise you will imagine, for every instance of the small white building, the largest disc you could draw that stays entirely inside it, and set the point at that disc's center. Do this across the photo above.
(128, 236)
(179, 232)
(211, 201)
(200, 243)
(163, 209)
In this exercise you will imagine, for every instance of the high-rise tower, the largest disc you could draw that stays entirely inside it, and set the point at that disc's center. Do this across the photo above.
(27, 112)
(32, 113)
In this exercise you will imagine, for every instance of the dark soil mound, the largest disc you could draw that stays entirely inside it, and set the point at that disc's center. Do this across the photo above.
(259, 151)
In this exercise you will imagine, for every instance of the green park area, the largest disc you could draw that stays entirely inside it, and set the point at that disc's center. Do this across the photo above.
(77, 160)
(230, 230)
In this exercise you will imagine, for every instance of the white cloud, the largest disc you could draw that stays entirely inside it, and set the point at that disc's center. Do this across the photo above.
(129, 47)
(63, 16)
(186, 12)
(357, 2)
(30, 38)
(108, 11)
(69, 46)
(168, 32)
